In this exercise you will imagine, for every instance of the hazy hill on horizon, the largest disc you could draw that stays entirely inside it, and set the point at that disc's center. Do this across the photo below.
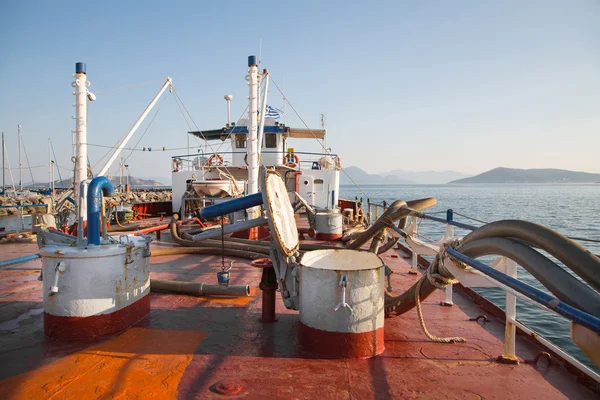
(427, 177)
(399, 176)
(542, 175)
(134, 181)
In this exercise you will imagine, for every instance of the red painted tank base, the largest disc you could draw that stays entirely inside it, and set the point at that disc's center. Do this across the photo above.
(328, 236)
(341, 344)
(95, 327)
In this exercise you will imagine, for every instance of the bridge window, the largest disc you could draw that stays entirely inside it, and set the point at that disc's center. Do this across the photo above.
(240, 141)
(270, 140)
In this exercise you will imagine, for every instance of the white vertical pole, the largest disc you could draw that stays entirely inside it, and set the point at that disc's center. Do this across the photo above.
(52, 179)
(12, 179)
(49, 165)
(511, 315)
(261, 129)
(20, 165)
(121, 174)
(3, 172)
(415, 256)
(228, 98)
(81, 174)
(252, 131)
(448, 291)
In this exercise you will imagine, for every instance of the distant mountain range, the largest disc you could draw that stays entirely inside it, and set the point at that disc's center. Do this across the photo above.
(115, 181)
(512, 175)
(399, 176)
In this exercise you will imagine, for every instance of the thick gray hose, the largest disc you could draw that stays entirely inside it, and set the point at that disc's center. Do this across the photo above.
(198, 289)
(558, 281)
(397, 210)
(577, 258)
(208, 242)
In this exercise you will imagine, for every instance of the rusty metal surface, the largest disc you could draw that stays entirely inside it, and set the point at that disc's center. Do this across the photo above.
(190, 347)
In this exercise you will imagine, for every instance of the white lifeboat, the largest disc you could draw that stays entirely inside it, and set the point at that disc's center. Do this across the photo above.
(218, 188)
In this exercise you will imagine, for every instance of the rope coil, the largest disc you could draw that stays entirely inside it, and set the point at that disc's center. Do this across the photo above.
(439, 277)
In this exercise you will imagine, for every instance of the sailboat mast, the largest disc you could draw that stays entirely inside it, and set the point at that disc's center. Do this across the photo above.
(3, 172)
(20, 165)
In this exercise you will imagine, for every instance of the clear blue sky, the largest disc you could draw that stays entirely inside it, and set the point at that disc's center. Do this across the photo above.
(428, 85)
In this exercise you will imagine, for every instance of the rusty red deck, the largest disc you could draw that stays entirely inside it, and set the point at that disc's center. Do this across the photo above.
(210, 348)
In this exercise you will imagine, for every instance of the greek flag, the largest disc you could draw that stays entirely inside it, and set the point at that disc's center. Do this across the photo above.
(273, 112)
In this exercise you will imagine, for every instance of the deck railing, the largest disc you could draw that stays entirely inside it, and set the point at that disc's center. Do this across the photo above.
(307, 159)
(491, 276)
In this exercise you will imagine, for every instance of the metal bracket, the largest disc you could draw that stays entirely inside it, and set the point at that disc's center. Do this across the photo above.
(343, 284)
(60, 267)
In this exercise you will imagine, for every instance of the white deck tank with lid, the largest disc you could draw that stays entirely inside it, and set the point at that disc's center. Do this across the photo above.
(93, 292)
(342, 303)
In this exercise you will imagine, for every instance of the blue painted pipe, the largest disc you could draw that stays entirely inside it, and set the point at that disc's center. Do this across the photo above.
(100, 183)
(19, 260)
(571, 313)
(227, 207)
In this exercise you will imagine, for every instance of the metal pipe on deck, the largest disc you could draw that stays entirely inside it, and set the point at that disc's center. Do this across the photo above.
(199, 289)
(227, 207)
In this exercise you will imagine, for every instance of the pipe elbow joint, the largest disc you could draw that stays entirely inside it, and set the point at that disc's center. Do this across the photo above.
(100, 184)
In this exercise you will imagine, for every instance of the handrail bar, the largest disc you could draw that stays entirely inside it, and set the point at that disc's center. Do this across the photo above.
(551, 302)
(263, 152)
(25, 205)
(444, 221)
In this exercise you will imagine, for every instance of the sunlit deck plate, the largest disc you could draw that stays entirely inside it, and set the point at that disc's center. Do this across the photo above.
(192, 347)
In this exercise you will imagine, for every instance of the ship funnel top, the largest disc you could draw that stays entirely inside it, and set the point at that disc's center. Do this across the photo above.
(252, 61)
(80, 68)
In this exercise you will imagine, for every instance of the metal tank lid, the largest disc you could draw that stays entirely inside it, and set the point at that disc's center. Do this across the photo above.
(280, 213)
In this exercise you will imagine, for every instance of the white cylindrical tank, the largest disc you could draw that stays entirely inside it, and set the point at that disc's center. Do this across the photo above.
(96, 291)
(329, 224)
(342, 303)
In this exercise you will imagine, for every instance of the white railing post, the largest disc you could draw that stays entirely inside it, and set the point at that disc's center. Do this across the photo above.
(415, 257)
(511, 317)
(449, 235)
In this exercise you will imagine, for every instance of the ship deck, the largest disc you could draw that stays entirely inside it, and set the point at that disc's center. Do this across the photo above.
(192, 347)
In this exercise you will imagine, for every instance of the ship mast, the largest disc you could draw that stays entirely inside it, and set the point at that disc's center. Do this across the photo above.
(81, 84)
(252, 131)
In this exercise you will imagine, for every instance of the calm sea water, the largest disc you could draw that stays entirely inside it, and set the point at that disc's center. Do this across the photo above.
(573, 210)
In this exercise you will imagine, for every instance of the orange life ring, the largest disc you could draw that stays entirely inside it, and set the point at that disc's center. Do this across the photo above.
(219, 158)
(338, 163)
(291, 164)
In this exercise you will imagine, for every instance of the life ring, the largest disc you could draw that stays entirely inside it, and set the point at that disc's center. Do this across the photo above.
(219, 158)
(176, 164)
(338, 163)
(289, 163)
